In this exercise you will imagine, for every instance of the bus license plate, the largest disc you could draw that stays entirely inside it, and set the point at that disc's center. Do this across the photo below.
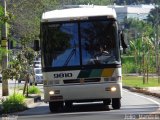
(56, 98)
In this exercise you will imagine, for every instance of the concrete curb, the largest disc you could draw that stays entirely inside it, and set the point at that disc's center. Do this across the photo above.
(32, 99)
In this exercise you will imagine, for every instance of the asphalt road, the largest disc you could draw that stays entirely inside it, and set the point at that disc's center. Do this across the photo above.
(133, 105)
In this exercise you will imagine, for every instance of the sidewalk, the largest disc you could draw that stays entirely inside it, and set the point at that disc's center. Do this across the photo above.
(152, 91)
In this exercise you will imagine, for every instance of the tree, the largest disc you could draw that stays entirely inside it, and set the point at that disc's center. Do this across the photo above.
(131, 2)
(142, 46)
(147, 53)
(25, 25)
(153, 16)
(86, 2)
(20, 64)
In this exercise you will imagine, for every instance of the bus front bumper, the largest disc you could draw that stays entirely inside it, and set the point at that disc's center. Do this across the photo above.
(88, 92)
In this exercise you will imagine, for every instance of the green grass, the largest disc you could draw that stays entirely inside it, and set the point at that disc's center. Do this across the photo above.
(34, 90)
(137, 81)
(14, 103)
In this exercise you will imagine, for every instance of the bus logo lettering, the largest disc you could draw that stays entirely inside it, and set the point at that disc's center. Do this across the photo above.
(62, 75)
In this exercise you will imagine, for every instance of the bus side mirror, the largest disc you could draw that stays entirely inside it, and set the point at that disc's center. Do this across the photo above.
(123, 44)
(36, 45)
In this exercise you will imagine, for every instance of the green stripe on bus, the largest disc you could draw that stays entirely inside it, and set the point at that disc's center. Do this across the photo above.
(90, 73)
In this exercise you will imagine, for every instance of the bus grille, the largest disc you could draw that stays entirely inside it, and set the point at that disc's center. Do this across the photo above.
(78, 81)
(71, 81)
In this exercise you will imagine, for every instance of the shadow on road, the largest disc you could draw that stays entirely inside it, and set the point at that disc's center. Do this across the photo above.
(86, 108)
(44, 110)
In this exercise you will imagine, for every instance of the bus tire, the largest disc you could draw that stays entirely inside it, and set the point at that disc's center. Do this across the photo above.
(55, 106)
(107, 102)
(116, 103)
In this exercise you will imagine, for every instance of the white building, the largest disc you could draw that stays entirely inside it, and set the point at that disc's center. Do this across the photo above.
(133, 11)
(128, 11)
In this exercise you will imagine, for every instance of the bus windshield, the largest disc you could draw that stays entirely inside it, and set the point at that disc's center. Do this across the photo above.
(80, 43)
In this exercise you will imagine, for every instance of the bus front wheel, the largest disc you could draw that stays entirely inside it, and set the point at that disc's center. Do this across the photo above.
(55, 106)
(107, 102)
(116, 103)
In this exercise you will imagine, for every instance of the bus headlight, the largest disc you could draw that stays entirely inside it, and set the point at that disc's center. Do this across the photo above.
(113, 89)
(51, 92)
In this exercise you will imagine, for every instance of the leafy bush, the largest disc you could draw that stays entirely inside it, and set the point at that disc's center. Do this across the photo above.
(33, 90)
(128, 68)
(129, 65)
(14, 103)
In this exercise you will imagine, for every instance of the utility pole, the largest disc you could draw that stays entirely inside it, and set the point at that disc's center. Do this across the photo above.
(4, 44)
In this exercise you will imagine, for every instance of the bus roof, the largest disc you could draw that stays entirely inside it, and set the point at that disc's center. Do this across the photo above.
(78, 13)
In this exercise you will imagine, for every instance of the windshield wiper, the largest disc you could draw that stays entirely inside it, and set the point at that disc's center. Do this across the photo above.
(70, 56)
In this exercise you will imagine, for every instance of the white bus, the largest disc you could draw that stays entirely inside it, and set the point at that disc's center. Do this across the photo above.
(80, 50)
